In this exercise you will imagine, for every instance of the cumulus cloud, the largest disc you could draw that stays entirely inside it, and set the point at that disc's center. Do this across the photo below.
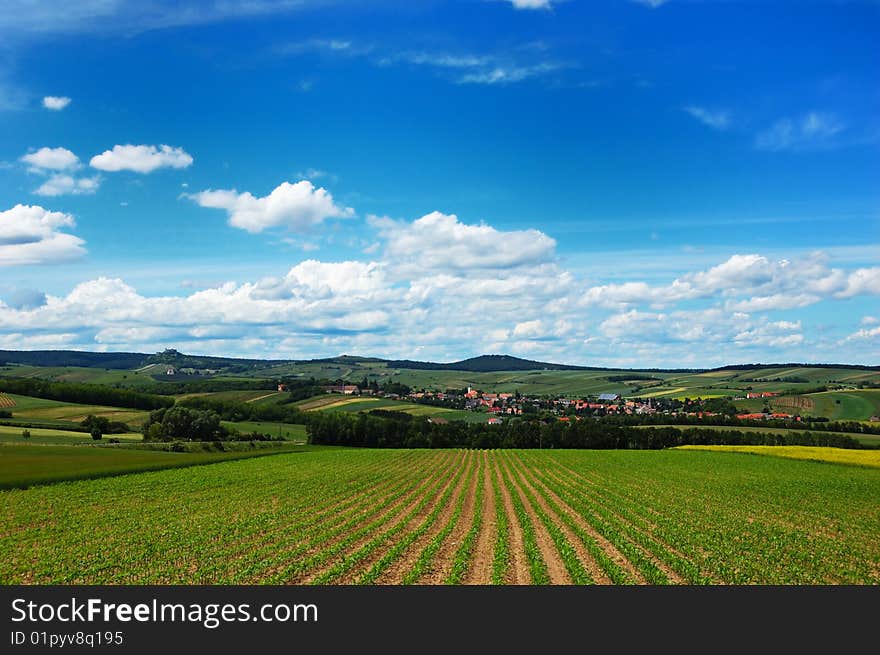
(700, 326)
(61, 185)
(55, 159)
(56, 103)
(30, 234)
(141, 158)
(51, 162)
(298, 207)
(751, 282)
(862, 281)
(813, 130)
(442, 242)
(716, 119)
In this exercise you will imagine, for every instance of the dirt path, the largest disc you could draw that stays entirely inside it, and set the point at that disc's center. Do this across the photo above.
(589, 562)
(268, 395)
(395, 573)
(481, 567)
(445, 557)
(555, 566)
(519, 573)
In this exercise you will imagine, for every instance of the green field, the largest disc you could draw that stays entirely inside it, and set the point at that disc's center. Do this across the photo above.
(25, 464)
(246, 396)
(10, 434)
(361, 516)
(290, 431)
(854, 405)
(357, 404)
(79, 374)
(56, 411)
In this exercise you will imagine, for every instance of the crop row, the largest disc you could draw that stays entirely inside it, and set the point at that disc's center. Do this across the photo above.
(454, 517)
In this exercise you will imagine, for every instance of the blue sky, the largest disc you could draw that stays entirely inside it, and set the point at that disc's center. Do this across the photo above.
(618, 182)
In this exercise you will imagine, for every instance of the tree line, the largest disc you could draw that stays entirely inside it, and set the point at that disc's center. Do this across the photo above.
(337, 428)
(819, 424)
(84, 394)
(232, 410)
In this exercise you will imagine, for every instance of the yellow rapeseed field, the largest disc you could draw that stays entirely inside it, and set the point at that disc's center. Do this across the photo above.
(815, 453)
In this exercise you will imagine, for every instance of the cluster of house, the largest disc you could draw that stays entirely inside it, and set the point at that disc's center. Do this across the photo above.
(509, 404)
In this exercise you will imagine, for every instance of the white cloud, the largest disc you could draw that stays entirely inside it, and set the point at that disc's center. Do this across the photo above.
(56, 159)
(531, 4)
(653, 4)
(297, 207)
(865, 334)
(709, 326)
(528, 329)
(777, 334)
(870, 320)
(861, 281)
(766, 285)
(56, 103)
(141, 158)
(30, 234)
(49, 161)
(61, 185)
(440, 241)
(813, 130)
(716, 119)
(777, 301)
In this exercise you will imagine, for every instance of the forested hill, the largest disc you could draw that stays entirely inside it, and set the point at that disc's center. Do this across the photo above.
(487, 364)
(73, 358)
(481, 364)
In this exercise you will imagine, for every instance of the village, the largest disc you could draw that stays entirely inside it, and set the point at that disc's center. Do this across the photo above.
(505, 404)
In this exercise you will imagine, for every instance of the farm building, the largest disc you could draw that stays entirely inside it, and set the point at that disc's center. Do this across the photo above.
(609, 396)
(347, 389)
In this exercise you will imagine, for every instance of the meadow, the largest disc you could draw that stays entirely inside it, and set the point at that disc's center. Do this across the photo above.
(855, 404)
(357, 516)
(47, 459)
(55, 411)
(366, 404)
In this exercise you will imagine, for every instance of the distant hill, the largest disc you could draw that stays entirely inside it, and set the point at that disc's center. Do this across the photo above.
(178, 359)
(494, 363)
(73, 358)
(487, 364)
(481, 364)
